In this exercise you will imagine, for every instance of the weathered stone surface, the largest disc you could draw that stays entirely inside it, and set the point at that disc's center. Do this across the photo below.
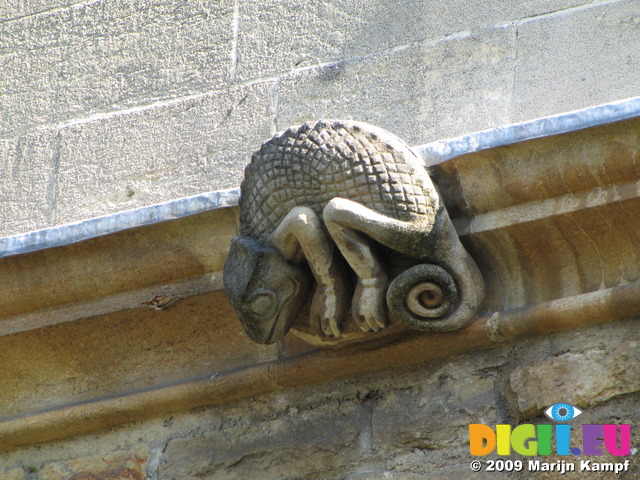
(423, 92)
(153, 155)
(16, 9)
(608, 336)
(351, 429)
(113, 466)
(550, 169)
(384, 475)
(580, 378)
(168, 259)
(276, 36)
(122, 352)
(12, 474)
(454, 472)
(321, 433)
(310, 442)
(100, 56)
(28, 192)
(577, 59)
(435, 413)
(135, 447)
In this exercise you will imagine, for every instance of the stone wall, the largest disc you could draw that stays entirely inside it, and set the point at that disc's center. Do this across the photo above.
(109, 105)
(406, 424)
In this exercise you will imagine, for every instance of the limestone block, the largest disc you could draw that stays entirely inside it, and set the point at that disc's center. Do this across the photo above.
(12, 474)
(421, 93)
(145, 157)
(577, 59)
(28, 166)
(301, 444)
(102, 467)
(454, 472)
(101, 56)
(384, 476)
(15, 9)
(579, 378)
(276, 36)
(435, 413)
(462, 471)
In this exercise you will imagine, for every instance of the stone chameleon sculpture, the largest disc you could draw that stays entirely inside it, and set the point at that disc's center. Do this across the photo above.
(356, 187)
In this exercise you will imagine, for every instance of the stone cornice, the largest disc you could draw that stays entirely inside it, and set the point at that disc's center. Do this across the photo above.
(548, 209)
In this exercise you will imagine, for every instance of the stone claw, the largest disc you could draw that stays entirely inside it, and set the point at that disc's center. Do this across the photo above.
(368, 305)
(330, 327)
(326, 313)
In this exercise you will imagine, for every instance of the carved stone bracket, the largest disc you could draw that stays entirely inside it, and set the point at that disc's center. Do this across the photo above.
(342, 234)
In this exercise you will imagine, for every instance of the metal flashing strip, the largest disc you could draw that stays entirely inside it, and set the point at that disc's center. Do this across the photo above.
(433, 153)
(100, 226)
(443, 150)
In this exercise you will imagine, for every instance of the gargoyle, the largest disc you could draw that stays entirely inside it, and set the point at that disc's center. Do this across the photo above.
(359, 188)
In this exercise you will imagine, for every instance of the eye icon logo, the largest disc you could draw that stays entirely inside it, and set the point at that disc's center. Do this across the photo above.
(562, 412)
(531, 440)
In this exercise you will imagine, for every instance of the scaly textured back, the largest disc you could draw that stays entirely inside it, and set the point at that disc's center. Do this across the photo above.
(314, 163)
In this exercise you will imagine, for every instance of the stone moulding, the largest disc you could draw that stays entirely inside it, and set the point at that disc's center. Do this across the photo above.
(548, 209)
(486, 331)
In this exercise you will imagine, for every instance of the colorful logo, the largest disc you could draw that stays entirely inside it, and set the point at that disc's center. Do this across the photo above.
(529, 440)
(562, 412)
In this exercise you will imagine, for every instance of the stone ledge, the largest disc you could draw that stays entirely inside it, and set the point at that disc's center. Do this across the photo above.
(127, 323)
(320, 365)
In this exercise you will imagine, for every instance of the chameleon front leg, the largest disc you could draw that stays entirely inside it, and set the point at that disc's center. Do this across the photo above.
(301, 231)
(345, 223)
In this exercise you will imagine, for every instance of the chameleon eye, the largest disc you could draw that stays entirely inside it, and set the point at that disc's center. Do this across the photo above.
(262, 303)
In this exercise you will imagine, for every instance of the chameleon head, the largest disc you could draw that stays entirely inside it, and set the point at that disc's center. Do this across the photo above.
(266, 292)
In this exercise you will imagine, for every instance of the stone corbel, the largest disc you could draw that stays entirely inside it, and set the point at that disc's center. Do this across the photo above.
(342, 234)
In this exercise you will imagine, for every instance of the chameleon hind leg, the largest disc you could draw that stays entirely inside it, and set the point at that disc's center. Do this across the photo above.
(299, 236)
